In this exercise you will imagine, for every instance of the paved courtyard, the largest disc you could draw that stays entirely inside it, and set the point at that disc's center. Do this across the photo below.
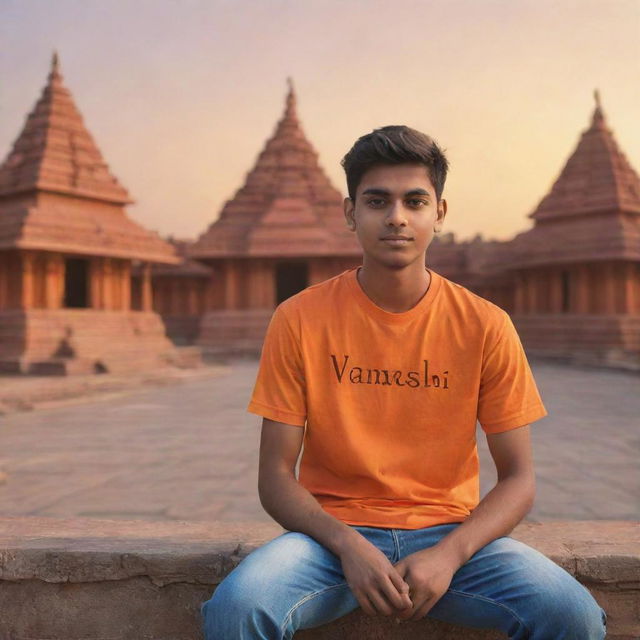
(189, 451)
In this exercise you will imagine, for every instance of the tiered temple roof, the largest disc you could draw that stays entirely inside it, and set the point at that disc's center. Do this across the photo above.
(591, 212)
(56, 154)
(596, 178)
(287, 206)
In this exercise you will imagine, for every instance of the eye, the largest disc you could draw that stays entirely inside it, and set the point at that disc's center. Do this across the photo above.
(376, 203)
(417, 203)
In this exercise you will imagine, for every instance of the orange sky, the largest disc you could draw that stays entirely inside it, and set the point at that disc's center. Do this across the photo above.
(181, 95)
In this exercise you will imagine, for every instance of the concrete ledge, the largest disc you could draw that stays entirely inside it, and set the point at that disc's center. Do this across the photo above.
(72, 579)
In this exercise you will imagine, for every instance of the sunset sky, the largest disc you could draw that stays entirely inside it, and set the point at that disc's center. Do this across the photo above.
(180, 96)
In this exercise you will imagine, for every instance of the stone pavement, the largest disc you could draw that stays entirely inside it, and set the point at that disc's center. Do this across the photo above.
(189, 451)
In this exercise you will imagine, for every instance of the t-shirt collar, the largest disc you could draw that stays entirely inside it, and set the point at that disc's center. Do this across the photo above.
(371, 308)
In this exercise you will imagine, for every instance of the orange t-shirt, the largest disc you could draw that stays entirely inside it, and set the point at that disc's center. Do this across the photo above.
(391, 400)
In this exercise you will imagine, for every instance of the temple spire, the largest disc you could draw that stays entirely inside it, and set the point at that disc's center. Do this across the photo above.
(55, 76)
(291, 101)
(55, 64)
(598, 120)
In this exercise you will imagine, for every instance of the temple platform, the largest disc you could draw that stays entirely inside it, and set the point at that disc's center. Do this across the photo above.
(83, 341)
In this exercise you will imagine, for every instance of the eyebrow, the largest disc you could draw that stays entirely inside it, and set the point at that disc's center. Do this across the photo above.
(385, 192)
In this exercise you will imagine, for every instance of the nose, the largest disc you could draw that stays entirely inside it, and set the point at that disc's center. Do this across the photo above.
(396, 215)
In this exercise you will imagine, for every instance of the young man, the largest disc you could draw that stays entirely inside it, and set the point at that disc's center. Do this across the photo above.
(389, 366)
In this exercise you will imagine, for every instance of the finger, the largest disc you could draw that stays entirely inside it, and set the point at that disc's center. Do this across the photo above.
(406, 614)
(380, 603)
(398, 581)
(420, 598)
(423, 609)
(396, 593)
(364, 603)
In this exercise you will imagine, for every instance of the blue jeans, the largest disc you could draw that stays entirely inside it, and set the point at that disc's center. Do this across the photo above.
(293, 582)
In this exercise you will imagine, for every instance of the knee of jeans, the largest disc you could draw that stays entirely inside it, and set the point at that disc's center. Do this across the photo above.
(593, 622)
(578, 618)
(236, 610)
(224, 605)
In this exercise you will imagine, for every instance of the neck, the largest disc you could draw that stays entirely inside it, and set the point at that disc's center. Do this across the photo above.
(395, 291)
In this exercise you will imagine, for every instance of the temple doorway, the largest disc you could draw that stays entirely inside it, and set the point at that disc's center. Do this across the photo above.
(291, 277)
(75, 283)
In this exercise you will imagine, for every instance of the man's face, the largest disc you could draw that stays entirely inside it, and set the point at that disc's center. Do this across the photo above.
(395, 214)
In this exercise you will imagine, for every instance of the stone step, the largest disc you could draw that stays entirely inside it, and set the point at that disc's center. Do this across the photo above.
(151, 578)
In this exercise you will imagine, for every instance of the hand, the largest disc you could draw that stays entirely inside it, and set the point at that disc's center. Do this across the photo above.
(428, 573)
(374, 581)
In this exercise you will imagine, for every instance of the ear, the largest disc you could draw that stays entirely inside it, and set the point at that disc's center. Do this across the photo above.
(442, 212)
(349, 213)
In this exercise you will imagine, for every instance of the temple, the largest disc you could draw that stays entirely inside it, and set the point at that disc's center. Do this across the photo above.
(66, 251)
(283, 230)
(577, 271)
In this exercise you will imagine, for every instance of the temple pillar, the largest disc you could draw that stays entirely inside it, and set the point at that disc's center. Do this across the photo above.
(4, 280)
(107, 284)
(116, 279)
(215, 290)
(255, 289)
(581, 298)
(230, 285)
(125, 286)
(555, 292)
(541, 287)
(530, 292)
(241, 284)
(54, 280)
(266, 286)
(192, 298)
(519, 293)
(210, 293)
(147, 293)
(28, 283)
(95, 283)
(201, 292)
(631, 292)
(259, 289)
(608, 274)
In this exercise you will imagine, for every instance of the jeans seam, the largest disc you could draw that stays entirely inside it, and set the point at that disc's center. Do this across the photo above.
(396, 545)
(499, 604)
(306, 599)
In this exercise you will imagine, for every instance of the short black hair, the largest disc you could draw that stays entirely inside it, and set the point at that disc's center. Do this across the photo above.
(395, 144)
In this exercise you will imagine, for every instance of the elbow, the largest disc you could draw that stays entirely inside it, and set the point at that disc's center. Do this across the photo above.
(270, 485)
(523, 488)
(265, 486)
(529, 492)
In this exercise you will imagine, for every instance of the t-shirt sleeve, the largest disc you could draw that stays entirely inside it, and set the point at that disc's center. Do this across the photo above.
(508, 395)
(280, 389)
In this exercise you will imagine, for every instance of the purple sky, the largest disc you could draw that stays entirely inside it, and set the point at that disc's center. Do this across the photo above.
(181, 95)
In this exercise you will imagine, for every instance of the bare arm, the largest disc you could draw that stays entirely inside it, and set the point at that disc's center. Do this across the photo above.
(507, 503)
(374, 581)
(429, 572)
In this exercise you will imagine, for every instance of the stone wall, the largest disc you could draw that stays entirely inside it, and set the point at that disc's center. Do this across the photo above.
(72, 579)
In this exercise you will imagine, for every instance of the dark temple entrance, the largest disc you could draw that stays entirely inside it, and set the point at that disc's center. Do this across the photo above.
(75, 282)
(291, 277)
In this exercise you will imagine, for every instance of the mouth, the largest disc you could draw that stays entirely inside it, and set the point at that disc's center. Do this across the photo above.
(396, 240)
